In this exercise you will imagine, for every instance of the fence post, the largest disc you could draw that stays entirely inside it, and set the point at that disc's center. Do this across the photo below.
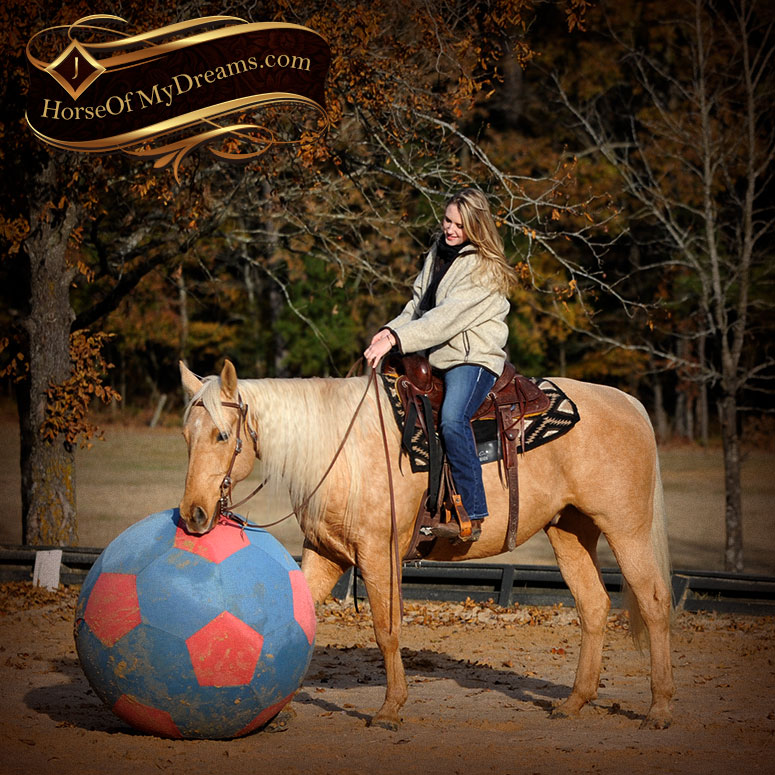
(46, 570)
(507, 586)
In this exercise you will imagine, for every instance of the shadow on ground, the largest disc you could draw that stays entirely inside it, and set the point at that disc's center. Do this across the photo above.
(73, 703)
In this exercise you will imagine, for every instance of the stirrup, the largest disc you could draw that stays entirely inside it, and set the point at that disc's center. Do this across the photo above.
(476, 531)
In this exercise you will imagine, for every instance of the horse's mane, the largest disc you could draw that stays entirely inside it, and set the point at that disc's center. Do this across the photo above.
(300, 425)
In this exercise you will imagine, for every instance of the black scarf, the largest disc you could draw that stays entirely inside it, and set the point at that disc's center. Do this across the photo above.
(442, 261)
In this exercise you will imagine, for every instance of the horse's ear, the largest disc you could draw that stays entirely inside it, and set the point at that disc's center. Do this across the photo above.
(191, 383)
(229, 379)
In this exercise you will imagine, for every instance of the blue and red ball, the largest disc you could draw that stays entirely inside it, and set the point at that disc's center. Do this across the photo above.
(195, 636)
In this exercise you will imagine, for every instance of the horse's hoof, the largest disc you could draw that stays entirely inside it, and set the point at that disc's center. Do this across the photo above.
(656, 722)
(392, 725)
(565, 710)
(281, 721)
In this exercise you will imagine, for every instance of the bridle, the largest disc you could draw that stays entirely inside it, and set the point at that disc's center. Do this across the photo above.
(225, 505)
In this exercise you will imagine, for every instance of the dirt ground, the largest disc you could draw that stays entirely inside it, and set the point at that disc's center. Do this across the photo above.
(482, 681)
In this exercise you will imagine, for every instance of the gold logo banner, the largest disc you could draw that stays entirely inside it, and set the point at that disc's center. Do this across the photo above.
(164, 93)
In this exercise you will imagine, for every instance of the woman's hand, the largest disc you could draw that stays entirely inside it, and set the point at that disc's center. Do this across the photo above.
(381, 344)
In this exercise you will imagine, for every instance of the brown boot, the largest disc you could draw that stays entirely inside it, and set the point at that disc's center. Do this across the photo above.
(448, 530)
(451, 531)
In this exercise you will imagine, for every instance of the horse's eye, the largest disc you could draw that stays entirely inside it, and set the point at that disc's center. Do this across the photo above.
(222, 436)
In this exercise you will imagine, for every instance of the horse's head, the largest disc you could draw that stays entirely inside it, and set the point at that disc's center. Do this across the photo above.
(215, 428)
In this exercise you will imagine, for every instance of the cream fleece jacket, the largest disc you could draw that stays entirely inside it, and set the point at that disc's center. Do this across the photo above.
(468, 323)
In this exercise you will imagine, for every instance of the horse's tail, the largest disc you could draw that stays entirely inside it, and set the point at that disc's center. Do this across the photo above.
(659, 544)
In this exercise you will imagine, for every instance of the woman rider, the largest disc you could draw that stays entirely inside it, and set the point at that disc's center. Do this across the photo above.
(457, 317)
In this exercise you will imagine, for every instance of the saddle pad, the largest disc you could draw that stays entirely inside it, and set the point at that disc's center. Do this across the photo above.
(556, 421)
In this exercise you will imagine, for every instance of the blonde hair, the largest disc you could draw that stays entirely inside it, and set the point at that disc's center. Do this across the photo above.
(482, 233)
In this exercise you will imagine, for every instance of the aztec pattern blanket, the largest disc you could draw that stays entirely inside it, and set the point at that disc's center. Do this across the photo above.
(561, 416)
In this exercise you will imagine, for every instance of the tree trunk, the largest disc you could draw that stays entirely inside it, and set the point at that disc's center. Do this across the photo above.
(183, 305)
(47, 467)
(703, 419)
(680, 414)
(660, 417)
(690, 417)
(253, 325)
(733, 550)
(275, 298)
(276, 350)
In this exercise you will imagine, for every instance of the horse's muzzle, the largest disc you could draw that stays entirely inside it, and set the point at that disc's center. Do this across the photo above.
(198, 521)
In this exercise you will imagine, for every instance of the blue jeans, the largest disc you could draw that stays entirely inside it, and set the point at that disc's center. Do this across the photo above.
(465, 388)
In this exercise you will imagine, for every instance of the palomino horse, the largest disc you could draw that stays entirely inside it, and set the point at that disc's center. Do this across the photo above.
(601, 477)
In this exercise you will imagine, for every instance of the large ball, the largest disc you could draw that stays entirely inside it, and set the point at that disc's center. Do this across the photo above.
(194, 636)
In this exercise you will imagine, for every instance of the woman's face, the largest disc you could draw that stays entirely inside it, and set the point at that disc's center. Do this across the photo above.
(454, 233)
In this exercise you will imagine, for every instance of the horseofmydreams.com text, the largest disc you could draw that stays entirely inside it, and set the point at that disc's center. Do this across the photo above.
(180, 84)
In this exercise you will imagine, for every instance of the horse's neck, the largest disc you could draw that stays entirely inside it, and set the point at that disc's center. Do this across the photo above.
(301, 424)
(282, 401)
(290, 414)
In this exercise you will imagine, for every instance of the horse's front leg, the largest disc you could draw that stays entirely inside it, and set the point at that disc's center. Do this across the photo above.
(382, 587)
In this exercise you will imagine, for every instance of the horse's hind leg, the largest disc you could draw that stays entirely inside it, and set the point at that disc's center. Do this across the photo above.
(637, 561)
(574, 540)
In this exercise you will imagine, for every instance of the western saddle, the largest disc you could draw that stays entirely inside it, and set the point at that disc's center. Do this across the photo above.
(513, 398)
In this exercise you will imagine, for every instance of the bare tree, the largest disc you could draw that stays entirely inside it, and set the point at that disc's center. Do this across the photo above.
(694, 151)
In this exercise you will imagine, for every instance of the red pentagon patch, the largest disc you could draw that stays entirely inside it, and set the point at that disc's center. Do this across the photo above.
(221, 542)
(113, 608)
(225, 651)
(266, 715)
(145, 718)
(303, 605)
